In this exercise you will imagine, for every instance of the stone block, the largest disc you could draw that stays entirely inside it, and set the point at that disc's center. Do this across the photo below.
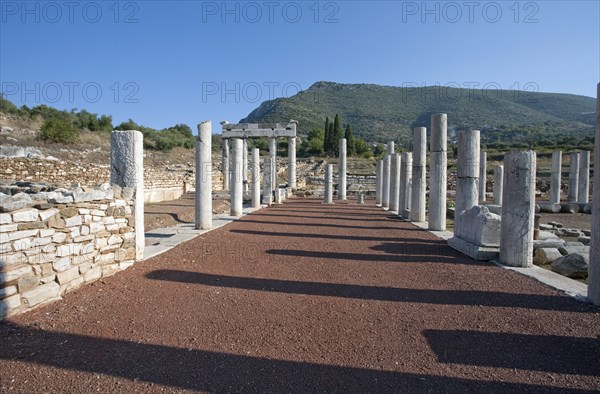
(97, 212)
(85, 267)
(8, 291)
(22, 234)
(46, 269)
(93, 274)
(12, 203)
(5, 228)
(480, 227)
(477, 252)
(62, 265)
(44, 293)
(72, 285)
(31, 225)
(22, 244)
(584, 239)
(12, 302)
(4, 238)
(73, 221)
(571, 266)
(110, 269)
(7, 259)
(5, 218)
(26, 215)
(48, 279)
(68, 250)
(104, 259)
(109, 248)
(85, 230)
(28, 283)
(56, 221)
(101, 242)
(59, 237)
(115, 240)
(96, 227)
(83, 238)
(546, 256)
(66, 213)
(108, 220)
(68, 275)
(61, 199)
(48, 213)
(126, 264)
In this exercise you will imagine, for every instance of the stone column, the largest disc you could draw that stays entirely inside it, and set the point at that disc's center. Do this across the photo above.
(328, 196)
(127, 171)
(583, 187)
(379, 182)
(273, 156)
(255, 178)
(237, 189)
(467, 182)
(267, 179)
(518, 209)
(292, 162)
(438, 176)
(395, 182)
(482, 177)
(594, 266)
(225, 164)
(342, 170)
(245, 164)
(203, 195)
(385, 194)
(390, 147)
(498, 185)
(405, 179)
(555, 176)
(573, 177)
(419, 181)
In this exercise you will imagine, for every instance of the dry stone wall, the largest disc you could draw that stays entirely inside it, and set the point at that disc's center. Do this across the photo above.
(52, 242)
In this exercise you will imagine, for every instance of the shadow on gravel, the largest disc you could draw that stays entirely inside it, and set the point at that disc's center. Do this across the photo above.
(430, 243)
(196, 369)
(404, 252)
(438, 297)
(546, 353)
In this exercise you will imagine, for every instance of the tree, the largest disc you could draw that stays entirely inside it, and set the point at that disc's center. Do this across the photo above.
(349, 140)
(326, 135)
(338, 134)
(330, 138)
(362, 149)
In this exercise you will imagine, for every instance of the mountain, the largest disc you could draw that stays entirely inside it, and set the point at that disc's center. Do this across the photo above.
(380, 113)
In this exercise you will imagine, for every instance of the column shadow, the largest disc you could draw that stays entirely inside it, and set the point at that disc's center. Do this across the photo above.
(375, 293)
(545, 353)
(197, 369)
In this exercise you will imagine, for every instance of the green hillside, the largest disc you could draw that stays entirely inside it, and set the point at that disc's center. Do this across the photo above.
(380, 113)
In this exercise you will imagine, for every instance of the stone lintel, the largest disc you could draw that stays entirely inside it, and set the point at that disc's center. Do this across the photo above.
(250, 130)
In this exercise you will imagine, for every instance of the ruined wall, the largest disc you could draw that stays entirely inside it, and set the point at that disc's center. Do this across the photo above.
(54, 242)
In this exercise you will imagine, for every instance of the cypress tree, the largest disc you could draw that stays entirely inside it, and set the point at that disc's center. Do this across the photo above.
(330, 138)
(349, 140)
(338, 134)
(326, 137)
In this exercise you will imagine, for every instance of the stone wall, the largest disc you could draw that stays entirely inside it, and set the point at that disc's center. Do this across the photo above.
(55, 241)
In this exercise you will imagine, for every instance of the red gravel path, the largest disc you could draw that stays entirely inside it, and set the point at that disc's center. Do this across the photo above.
(307, 298)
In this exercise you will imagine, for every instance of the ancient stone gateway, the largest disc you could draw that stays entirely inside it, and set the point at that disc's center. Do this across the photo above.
(243, 131)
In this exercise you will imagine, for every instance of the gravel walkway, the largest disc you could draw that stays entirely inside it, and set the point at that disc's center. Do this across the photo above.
(303, 298)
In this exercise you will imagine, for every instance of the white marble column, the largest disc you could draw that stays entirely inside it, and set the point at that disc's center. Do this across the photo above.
(225, 164)
(237, 187)
(255, 178)
(419, 181)
(482, 177)
(498, 183)
(379, 182)
(395, 182)
(594, 266)
(328, 195)
(385, 195)
(245, 164)
(203, 195)
(273, 157)
(292, 163)
(555, 177)
(518, 209)
(438, 175)
(467, 182)
(405, 180)
(573, 177)
(127, 170)
(267, 181)
(583, 187)
(342, 170)
(390, 147)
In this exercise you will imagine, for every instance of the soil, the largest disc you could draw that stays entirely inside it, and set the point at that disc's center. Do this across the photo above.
(304, 297)
(172, 213)
(579, 221)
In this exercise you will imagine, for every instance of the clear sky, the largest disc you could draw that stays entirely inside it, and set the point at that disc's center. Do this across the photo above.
(167, 62)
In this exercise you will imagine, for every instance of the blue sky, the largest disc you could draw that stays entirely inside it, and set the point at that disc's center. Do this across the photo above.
(162, 63)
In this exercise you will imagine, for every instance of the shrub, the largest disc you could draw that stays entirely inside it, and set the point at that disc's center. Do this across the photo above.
(58, 130)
